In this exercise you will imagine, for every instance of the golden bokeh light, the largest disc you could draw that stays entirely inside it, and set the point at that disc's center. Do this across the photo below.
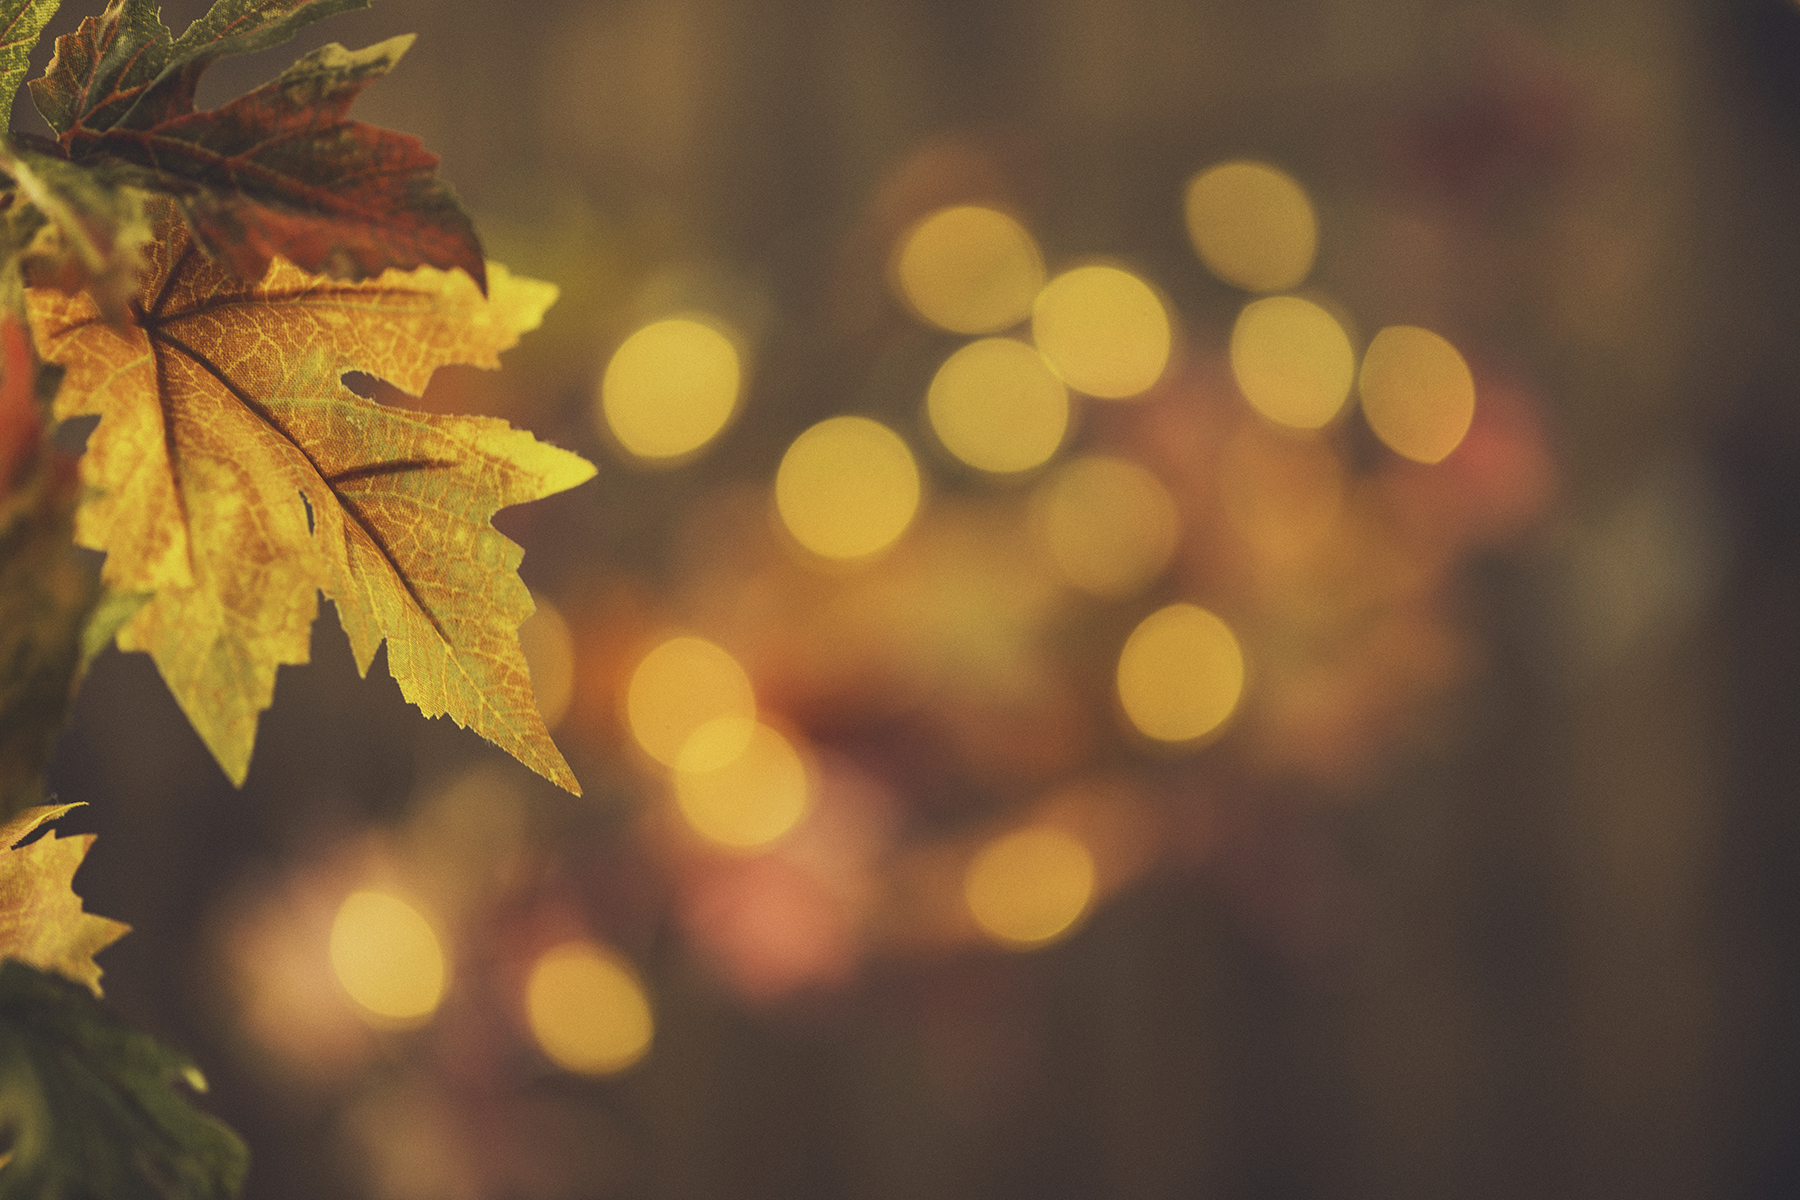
(587, 1009)
(969, 269)
(1252, 225)
(997, 406)
(1180, 674)
(682, 685)
(1417, 393)
(670, 388)
(550, 656)
(1028, 887)
(1292, 360)
(743, 799)
(1109, 524)
(387, 956)
(1103, 330)
(847, 488)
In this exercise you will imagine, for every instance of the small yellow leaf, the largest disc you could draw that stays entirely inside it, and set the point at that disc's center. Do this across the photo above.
(41, 922)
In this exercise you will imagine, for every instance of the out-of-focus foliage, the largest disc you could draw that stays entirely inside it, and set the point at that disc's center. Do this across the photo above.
(96, 1108)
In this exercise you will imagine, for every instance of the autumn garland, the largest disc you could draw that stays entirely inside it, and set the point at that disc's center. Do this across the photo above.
(201, 281)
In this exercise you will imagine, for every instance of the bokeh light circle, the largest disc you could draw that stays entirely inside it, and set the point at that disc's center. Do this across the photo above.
(549, 649)
(587, 1009)
(1028, 887)
(969, 269)
(681, 685)
(998, 407)
(1252, 225)
(1292, 360)
(1109, 524)
(847, 488)
(1104, 330)
(1180, 674)
(387, 957)
(1417, 392)
(670, 387)
(745, 799)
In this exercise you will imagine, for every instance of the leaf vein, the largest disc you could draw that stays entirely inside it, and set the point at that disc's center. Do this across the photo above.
(349, 506)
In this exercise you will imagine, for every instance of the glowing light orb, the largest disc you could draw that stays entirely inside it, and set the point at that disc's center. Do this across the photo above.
(847, 488)
(1180, 674)
(1030, 886)
(1252, 225)
(1103, 330)
(1292, 360)
(678, 687)
(969, 269)
(587, 1009)
(670, 388)
(998, 407)
(550, 656)
(747, 798)
(1417, 392)
(1110, 525)
(387, 957)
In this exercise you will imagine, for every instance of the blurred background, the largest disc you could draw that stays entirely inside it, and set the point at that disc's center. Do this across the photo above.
(1182, 600)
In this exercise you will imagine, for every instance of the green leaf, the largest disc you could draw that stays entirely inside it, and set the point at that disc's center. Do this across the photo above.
(230, 27)
(96, 1109)
(93, 228)
(123, 68)
(21, 21)
(103, 624)
(45, 595)
(45, 591)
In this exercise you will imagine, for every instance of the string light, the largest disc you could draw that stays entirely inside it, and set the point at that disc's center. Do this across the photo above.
(1252, 225)
(387, 957)
(996, 406)
(847, 488)
(1180, 674)
(1029, 887)
(549, 650)
(742, 799)
(670, 387)
(1103, 330)
(969, 269)
(1292, 360)
(681, 685)
(1417, 393)
(587, 1009)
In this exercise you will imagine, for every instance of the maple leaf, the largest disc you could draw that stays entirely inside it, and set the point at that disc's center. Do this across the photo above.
(95, 1110)
(281, 171)
(41, 922)
(236, 477)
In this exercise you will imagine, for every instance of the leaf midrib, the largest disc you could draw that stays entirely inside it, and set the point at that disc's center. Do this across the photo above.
(154, 324)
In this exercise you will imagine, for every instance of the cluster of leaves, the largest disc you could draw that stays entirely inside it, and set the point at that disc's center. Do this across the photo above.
(201, 281)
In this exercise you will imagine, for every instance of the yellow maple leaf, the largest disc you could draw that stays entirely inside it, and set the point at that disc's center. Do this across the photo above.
(234, 476)
(41, 922)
